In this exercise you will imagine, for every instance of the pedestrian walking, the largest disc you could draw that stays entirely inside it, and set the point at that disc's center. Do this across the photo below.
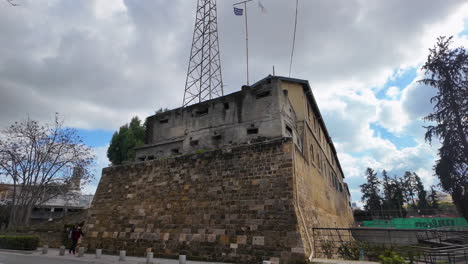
(75, 235)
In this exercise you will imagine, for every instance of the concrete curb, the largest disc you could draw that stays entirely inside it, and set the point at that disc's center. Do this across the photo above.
(25, 252)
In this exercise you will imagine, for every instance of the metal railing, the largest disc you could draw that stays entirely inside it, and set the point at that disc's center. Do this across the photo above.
(442, 245)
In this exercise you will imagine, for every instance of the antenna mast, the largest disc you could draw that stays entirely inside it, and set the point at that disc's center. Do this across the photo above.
(204, 80)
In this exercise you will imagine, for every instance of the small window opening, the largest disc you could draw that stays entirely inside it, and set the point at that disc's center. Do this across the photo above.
(175, 151)
(151, 157)
(217, 137)
(285, 92)
(163, 121)
(194, 143)
(141, 159)
(226, 106)
(201, 112)
(263, 94)
(252, 131)
(289, 130)
(58, 209)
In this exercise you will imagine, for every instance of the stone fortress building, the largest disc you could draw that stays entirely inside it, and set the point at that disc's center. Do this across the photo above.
(240, 178)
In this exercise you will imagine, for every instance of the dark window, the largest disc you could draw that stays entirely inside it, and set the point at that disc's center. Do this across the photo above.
(201, 112)
(141, 158)
(263, 94)
(285, 92)
(194, 143)
(226, 106)
(164, 121)
(175, 151)
(252, 131)
(58, 210)
(289, 130)
(217, 137)
(151, 157)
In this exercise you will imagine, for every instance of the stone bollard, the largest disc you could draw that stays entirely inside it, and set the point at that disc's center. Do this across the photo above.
(182, 259)
(45, 249)
(98, 253)
(62, 251)
(122, 255)
(149, 257)
(80, 252)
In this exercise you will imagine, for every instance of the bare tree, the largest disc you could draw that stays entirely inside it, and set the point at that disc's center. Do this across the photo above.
(39, 160)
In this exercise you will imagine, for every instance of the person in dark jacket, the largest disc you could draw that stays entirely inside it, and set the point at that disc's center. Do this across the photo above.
(75, 235)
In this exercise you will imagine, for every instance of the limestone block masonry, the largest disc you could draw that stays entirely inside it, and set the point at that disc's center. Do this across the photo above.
(241, 204)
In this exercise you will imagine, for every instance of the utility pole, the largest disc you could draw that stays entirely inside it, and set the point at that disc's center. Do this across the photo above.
(246, 35)
(204, 79)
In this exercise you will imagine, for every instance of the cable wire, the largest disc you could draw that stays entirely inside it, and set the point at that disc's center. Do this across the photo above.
(294, 39)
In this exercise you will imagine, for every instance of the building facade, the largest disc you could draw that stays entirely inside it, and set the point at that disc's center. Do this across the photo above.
(240, 178)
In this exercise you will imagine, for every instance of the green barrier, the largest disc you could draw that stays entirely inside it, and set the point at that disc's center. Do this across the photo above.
(416, 223)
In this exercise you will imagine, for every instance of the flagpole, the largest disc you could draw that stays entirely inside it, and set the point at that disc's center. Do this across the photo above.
(246, 36)
(247, 41)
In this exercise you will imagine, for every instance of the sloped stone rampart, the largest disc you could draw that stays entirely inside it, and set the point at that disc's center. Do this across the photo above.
(231, 205)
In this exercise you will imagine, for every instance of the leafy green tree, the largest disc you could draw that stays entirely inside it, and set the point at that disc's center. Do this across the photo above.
(370, 192)
(124, 142)
(446, 70)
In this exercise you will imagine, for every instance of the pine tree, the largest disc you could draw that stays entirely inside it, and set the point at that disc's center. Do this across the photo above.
(433, 199)
(447, 71)
(370, 193)
(423, 205)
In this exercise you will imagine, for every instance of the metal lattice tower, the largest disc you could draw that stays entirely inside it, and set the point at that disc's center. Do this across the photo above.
(204, 80)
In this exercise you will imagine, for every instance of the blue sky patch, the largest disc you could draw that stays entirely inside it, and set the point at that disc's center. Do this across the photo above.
(405, 78)
(95, 138)
(400, 142)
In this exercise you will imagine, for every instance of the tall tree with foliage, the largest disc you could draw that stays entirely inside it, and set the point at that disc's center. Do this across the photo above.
(370, 192)
(433, 199)
(124, 142)
(409, 188)
(393, 198)
(422, 194)
(446, 70)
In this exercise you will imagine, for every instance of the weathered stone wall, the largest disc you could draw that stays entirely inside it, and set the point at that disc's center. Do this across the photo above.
(234, 205)
(249, 115)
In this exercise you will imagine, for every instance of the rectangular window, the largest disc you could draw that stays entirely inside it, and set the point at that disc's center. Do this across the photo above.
(201, 112)
(194, 143)
(164, 121)
(226, 106)
(263, 94)
(289, 130)
(252, 131)
(217, 137)
(175, 151)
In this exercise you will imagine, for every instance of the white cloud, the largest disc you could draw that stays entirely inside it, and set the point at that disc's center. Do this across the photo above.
(393, 92)
(99, 63)
(101, 162)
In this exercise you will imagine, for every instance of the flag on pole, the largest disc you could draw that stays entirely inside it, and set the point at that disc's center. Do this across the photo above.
(262, 7)
(238, 11)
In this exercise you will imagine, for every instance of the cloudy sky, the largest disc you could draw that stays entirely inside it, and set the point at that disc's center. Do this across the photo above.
(98, 63)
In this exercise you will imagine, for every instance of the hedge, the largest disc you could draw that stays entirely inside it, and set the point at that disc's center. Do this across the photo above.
(19, 242)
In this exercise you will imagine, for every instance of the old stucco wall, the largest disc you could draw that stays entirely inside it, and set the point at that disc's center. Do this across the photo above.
(233, 205)
(318, 203)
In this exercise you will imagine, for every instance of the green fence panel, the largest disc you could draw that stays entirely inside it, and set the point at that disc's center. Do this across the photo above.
(418, 223)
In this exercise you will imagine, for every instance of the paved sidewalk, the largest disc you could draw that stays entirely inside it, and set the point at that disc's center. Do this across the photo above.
(52, 257)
